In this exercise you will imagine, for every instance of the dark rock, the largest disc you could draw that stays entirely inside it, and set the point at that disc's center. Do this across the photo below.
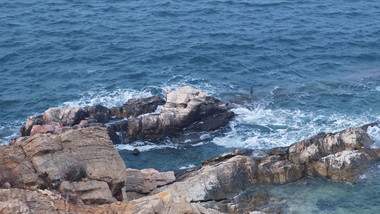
(112, 133)
(136, 152)
(278, 151)
(31, 121)
(186, 109)
(100, 113)
(137, 106)
(212, 122)
(64, 116)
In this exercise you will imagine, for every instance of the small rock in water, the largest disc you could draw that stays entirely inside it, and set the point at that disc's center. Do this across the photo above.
(7, 185)
(136, 152)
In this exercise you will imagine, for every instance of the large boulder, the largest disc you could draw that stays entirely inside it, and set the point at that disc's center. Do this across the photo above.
(82, 158)
(185, 108)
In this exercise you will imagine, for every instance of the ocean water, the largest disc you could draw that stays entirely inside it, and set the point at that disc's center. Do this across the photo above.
(314, 66)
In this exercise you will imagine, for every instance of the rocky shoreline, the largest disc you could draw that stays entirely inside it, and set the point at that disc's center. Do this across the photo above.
(64, 161)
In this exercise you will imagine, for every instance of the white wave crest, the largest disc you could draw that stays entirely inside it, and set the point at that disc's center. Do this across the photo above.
(10, 131)
(144, 146)
(262, 128)
(108, 99)
(187, 166)
(374, 134)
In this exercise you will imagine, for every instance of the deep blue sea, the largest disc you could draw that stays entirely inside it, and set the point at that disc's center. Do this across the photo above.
(314, 66)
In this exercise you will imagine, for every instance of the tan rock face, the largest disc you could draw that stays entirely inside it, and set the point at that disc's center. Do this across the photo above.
(24, 202)
(47, 160)
(146, 180)
(16, 168)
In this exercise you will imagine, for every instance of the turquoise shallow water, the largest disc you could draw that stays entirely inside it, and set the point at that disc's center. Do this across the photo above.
(314, 65)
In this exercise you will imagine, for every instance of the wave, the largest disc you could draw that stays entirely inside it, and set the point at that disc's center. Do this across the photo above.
(374, 134)
(262, 128)
(109, 99)
(144, 146)
(9, 131)
(187, 166)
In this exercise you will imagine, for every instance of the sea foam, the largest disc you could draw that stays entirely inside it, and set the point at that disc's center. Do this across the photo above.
(109, 99)
(262, 128)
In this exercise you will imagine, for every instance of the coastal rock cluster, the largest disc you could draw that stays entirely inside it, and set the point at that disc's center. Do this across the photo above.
(185, 109)
(65, 162)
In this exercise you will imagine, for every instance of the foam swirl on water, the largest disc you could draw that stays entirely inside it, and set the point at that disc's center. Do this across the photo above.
(262, 128)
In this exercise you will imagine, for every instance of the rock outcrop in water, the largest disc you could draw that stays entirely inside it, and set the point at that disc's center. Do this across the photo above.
(65, 162)
(80, 166)
(341, 156)
(185, 109)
